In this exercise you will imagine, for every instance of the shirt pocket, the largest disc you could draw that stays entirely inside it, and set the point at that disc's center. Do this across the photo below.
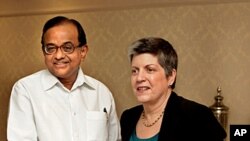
(97, 126)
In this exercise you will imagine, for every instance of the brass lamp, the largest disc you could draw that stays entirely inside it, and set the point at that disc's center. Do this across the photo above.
(220, 110)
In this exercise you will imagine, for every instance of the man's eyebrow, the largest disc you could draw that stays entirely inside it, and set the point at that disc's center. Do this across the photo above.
(60, 45)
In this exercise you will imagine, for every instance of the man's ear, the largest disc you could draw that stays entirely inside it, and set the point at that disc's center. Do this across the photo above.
(84, 51)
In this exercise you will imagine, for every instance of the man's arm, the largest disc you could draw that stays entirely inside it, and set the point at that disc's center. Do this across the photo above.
(114, 124)
(21, 125)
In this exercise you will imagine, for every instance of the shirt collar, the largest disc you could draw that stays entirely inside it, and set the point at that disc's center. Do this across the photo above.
(49, 80)
(82, 80)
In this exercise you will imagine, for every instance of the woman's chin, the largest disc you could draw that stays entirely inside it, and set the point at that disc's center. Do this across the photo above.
(142, 99)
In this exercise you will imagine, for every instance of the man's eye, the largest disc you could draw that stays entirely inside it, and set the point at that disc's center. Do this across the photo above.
(67, 48)
(51, 47)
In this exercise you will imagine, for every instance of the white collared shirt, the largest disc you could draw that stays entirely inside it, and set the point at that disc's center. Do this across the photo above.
(42, 109)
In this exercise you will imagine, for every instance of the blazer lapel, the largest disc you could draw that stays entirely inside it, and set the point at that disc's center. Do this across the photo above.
(171, 119)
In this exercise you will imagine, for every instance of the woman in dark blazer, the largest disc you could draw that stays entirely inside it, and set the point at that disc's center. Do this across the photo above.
(163, 115)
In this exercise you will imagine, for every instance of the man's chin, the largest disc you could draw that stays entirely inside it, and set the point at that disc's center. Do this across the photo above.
(59, 74)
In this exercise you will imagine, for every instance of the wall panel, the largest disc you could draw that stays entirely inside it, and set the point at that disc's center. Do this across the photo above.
(212, 42)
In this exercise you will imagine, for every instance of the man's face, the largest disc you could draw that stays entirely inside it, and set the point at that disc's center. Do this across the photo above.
(63, 65)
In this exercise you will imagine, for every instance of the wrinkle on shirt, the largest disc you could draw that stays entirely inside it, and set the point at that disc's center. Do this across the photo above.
(49, 81)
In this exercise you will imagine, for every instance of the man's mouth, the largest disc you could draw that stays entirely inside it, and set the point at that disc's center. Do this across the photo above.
(61, 63)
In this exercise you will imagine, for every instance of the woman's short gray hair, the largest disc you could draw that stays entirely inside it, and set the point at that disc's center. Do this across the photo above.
(166, 54)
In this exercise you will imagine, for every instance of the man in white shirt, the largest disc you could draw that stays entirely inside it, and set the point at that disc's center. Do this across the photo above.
(61, 103)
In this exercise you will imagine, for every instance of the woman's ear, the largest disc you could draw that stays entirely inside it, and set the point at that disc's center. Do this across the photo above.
(171, 78)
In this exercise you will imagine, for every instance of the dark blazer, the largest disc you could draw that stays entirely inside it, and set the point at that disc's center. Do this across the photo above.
(183, 120)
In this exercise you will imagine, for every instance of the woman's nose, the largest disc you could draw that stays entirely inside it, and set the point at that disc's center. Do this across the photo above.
(140, 76)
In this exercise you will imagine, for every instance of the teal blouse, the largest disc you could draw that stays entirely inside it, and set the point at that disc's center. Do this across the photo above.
(135, 138)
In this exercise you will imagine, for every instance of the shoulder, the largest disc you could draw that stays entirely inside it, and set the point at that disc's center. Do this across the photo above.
(190, 116)
(191, 110)
(133, 110)
(31, 79)
(93, 82)
(189, 106)
(131, 113)
(28, 84)
(98, 88)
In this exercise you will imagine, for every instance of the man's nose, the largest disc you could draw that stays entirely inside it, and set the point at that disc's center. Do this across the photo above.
(59, 53)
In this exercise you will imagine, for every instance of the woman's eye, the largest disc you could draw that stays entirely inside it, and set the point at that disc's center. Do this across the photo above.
(150, 70)
(133, 71)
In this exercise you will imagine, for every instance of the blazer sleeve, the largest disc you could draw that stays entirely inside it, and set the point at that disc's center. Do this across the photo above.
(187, 120)
(203, 123)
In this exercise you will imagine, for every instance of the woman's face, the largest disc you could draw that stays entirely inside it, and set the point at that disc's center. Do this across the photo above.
(148, 79)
